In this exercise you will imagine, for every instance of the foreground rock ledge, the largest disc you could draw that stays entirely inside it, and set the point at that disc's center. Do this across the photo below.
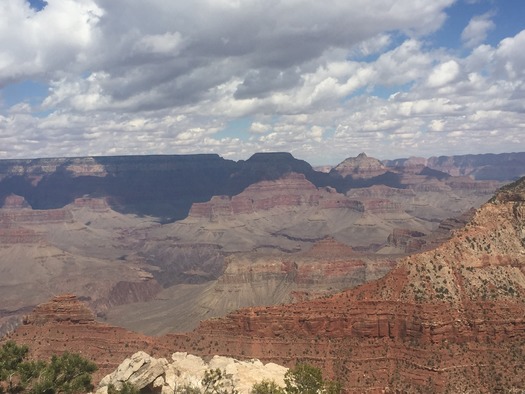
(158, 375)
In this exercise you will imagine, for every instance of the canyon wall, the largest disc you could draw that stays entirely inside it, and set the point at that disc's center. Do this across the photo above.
(450, 319)
(446, 320)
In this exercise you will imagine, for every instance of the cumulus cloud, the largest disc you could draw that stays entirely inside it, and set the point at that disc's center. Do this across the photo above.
(477, 30)
(443, 74)
(320, 79)
(47, 43)
(259, 128)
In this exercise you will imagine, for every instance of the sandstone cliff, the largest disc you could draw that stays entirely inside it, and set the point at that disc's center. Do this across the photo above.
(252, 279)
(83, 225)
(162, 185)
(66, 324)
(291, 190)
(361, 166)
(450, 319)
(166, 186)
(502, 167)
(80, 248)
(447, 320)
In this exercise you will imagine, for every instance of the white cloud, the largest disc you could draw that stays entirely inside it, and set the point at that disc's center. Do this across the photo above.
(511, 56)
(323, 80)
(259, 128)
(167, 43)
(443, 74)
(47, 43)
(477, 29)
(374, 45)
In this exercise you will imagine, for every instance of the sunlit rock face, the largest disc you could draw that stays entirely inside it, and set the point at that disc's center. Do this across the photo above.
(457, 307)
(448, 319)
(361, 166)
(182, 370)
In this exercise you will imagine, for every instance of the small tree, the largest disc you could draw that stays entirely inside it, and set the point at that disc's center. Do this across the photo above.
(307, 379)
(188, 389)
(303, 379)
(332, 387)
(11, 356)
(68, 373)
(11, 362)
(267, 387)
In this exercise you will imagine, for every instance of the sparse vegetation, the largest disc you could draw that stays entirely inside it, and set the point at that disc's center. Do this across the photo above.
(127, 388)
(267, 387)
(216, 382)
(307, 379)
(68, 373)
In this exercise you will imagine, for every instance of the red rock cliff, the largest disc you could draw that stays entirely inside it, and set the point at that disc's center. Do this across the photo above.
(292, 190)
(447, 320)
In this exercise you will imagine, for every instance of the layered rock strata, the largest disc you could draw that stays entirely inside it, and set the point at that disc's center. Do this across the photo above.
(66, 324)
(361, 166)
(292, 190)
(447, 320)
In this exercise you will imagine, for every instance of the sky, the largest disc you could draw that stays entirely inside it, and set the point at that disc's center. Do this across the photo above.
(324, 80)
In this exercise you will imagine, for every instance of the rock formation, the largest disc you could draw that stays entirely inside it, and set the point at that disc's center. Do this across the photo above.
(63, 308)
(66, 324)
(360, 167)
(143, 372)
(162, 185)
(79, 248)
(151, 231)
(446, 320)
(291, 190)
(502, 167)
(166, 186)
(185, 370)
(450, 319)
(13, 201)
(251, 279)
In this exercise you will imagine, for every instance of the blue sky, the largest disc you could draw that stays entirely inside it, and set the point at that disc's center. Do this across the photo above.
(322, 80)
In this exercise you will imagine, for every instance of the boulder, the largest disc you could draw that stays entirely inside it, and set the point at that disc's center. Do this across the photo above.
(140, 370)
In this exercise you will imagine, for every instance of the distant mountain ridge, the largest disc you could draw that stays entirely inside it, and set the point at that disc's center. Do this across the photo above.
(501, 167)
(166, 186)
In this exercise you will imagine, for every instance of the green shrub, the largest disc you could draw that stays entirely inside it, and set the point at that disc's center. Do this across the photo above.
(266, 387)
(68, 373)
(307, 379)
(127, 388)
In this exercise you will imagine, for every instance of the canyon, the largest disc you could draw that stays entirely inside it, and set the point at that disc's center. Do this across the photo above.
(201, 236)
(447, 319)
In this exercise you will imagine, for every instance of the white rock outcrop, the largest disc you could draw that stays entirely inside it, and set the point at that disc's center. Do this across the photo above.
(158, 375)
(140, 370)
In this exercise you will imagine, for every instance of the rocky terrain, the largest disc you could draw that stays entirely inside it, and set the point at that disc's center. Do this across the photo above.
(450, 319)
(252, 279)
(66, 324)
(201, 236)
(185, 370)
(447, 320)
(503, 166)
(77, 248)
